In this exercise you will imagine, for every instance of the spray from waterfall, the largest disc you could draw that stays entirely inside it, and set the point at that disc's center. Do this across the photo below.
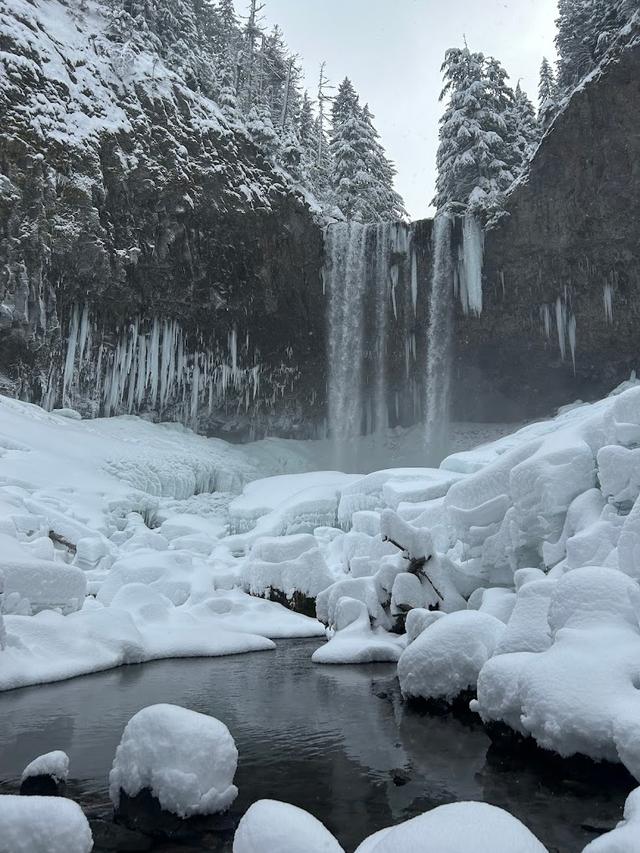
(439, 340)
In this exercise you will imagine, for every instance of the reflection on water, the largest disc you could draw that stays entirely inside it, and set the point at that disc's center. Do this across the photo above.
(333, 740)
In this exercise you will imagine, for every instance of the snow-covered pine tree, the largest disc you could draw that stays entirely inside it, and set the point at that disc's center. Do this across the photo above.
(385, 203)
(524, 128)
(262, 131)
(547, 95)
(476, 154)
(362, 176)
(249, 83)
(226, 45)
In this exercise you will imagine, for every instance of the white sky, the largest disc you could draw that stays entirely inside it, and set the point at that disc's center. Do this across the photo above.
(392, 51)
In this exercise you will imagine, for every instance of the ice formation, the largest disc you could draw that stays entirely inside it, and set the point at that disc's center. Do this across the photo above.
(470, 265)
(187, 760)
(280, 828)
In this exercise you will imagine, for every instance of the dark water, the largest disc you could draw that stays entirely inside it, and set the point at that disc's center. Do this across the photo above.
(337, 741)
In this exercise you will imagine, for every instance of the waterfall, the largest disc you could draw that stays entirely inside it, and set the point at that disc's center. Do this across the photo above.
(470, 265)
(345, 279)
(371, 283)
(439, 340)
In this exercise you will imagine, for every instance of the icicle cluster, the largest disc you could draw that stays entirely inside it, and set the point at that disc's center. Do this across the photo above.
(150, 367)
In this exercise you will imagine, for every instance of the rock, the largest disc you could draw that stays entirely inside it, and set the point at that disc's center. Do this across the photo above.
(42, 786)
(112, 836)
(143, 814)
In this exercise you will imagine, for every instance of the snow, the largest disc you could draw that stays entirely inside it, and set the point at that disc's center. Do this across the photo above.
(354, 640)
(449, 828)
(43, 825)
(446, 658)
(54, 764)
(281, 828)
(186, 759)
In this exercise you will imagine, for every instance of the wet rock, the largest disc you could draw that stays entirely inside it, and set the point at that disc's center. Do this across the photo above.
(42, 786)
(112, 836)
(144, 814)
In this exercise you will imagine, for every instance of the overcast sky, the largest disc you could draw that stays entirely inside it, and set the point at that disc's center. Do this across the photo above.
(392, 51)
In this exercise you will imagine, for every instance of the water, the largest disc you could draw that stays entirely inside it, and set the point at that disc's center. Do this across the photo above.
(337, 741)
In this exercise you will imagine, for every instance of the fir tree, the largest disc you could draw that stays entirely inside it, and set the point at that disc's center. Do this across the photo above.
(476, 158)
(547, 94)
(525, 128)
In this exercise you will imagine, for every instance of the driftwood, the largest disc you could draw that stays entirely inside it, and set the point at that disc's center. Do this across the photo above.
(56, 537)
(417, 565)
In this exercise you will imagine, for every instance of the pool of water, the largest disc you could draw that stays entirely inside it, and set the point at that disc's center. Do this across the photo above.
(337, 741)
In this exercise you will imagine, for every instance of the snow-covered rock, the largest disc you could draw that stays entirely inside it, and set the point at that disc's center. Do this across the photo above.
(54, 764)
(457, 828)
(281, 828)
(289, 564)
(43, 825)
(579, 694)
(187, 760)
(446, 658)
(355, 641)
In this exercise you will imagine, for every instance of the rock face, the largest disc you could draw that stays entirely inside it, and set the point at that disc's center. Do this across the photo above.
(562, 270)
(150, 257)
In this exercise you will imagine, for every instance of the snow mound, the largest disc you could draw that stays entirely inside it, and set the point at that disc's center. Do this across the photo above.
(355, 641)
(54, 764)
(290, 564)
(446, 658)
(187, 760)
(280, 828)
(43, 825)
(450, 828)
(578, 693)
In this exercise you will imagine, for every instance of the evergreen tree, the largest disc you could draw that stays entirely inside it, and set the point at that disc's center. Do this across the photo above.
(524, 128)
(476, 157)
(262, 131)
(385, 202)
(547, 94)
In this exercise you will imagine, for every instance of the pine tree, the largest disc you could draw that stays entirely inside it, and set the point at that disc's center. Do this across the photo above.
(385, 203)
(547, 94)
(476, 157)
(262, 131)
(347, 149)
(524, 128)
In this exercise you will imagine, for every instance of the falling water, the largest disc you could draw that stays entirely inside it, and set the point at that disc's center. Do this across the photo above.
(345, 279)
(440, 338)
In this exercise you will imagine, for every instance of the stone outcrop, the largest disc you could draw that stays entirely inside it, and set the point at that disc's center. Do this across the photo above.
(562, 269)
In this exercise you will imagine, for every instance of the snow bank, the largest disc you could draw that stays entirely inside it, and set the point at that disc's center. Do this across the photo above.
(280, 828)
(457, 828)
(187, 760)
(43, 825)
(578, 693)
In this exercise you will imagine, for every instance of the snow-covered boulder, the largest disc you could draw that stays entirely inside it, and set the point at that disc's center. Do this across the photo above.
(625, 838)
(580, 694)
(44, 584)
(185, 759)
(456, 828)
(446, 658)
(46, 775)
(355, 641)
(291, 565)
(360, 589)
(273, 827)
(43, 825)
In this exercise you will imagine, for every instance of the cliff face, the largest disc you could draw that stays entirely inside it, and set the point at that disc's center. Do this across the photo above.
(150, 258)
(562, 271)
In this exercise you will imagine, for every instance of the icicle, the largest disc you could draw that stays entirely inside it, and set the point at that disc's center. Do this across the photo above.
(561, 325)
(70, 359)
(471, 262)
(83, 334)
(608, 303)
(414, 282)
(545, 318)
(571, 327)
